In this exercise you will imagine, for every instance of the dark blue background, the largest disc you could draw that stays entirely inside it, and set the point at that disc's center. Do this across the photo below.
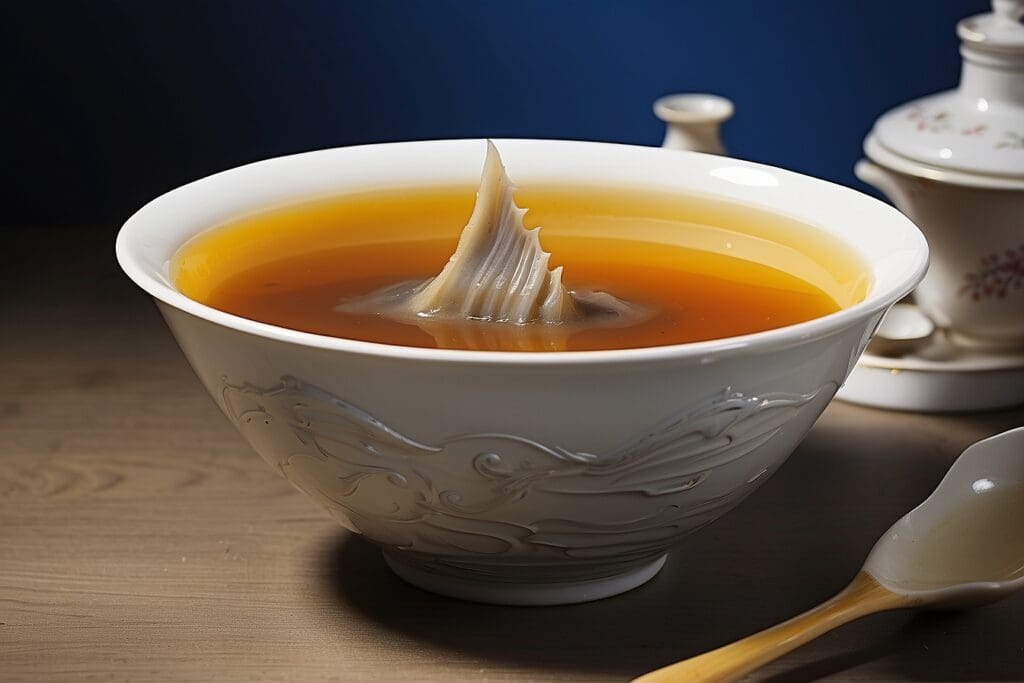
(108, 104)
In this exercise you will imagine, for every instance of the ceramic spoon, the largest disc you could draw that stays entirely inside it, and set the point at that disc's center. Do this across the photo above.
(963, 546)
(903, 329)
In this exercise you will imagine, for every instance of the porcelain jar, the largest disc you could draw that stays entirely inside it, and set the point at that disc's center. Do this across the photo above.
(954, 163)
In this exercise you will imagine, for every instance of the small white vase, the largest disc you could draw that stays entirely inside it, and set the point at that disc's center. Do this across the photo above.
(693, 121)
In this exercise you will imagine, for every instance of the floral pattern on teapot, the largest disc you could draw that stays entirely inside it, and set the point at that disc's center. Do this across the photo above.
(996, 276)
(944, 121)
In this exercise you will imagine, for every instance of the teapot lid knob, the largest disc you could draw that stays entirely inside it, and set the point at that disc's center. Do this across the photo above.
(1008, 9)
(1000, 31)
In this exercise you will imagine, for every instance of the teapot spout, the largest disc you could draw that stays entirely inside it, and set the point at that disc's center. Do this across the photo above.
(693, 121)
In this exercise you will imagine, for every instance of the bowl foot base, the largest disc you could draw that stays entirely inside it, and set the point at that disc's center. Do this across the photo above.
(523, 594)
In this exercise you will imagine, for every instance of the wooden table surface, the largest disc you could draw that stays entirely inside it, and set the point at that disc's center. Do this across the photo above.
(141, 539)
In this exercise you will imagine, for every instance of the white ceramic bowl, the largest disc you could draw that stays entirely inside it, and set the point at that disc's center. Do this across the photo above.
(515, 477)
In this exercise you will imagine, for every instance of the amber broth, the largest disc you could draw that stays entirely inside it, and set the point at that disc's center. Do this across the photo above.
(698, 264)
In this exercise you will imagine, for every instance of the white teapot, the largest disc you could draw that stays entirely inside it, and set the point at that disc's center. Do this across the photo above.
(954, 163)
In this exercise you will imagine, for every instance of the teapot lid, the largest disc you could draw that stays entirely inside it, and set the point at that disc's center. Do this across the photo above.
(972, 135)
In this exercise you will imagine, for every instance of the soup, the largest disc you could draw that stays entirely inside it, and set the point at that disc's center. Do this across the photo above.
(703, 269)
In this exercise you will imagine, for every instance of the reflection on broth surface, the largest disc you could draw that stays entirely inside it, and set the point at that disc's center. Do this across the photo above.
(697, 266)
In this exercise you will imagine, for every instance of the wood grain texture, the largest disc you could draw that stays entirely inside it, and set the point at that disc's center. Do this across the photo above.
(140, 539)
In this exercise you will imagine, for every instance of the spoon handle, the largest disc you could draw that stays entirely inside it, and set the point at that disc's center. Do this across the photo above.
(730, 662)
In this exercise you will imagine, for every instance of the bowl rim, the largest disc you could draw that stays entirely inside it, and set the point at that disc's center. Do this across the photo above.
(874, 301)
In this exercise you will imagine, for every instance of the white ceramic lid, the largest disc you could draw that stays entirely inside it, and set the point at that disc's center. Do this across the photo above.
(972, 135)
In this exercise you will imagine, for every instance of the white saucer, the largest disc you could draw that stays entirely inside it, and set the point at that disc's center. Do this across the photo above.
(938, 378)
